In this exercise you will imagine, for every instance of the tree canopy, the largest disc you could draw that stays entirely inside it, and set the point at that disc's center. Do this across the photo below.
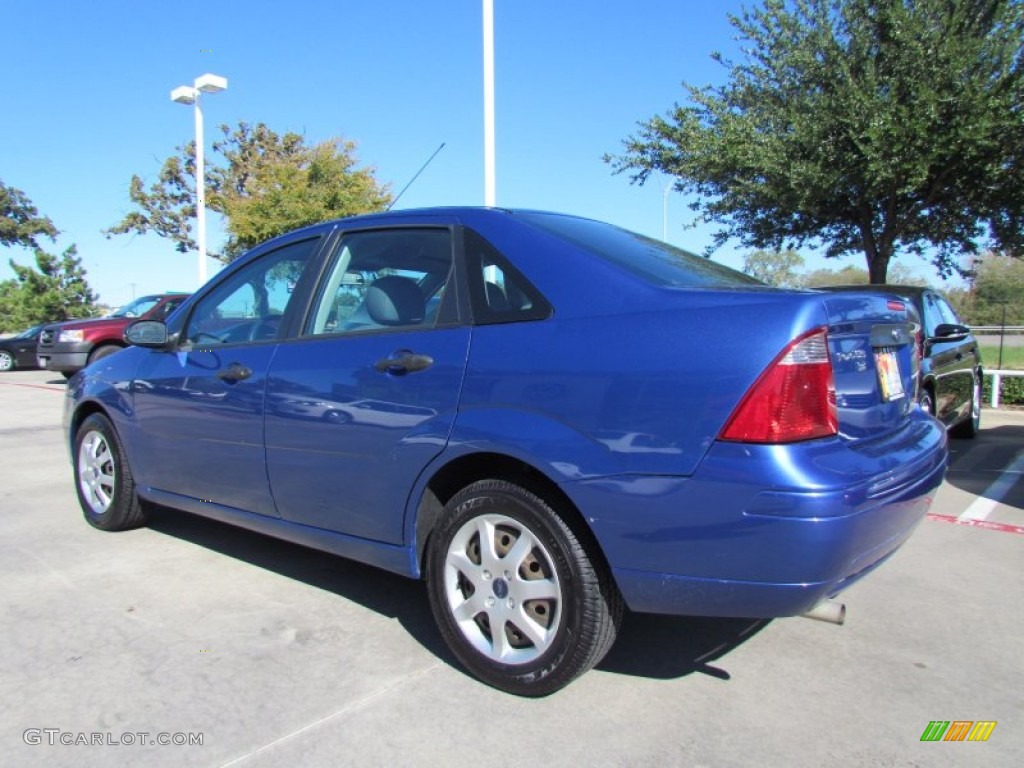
(871, 126)
(56, 289)
(20, 222)
(783, 269)
(263, 183)
(778, 268)
(995, 293)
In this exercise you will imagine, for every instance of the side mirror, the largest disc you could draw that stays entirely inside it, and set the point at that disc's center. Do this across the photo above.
(950, 332)
(147, 333)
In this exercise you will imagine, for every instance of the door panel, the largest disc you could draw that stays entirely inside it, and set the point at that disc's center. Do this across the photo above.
(203, 434)
(200, 408)
(346, 441)
(357, 408)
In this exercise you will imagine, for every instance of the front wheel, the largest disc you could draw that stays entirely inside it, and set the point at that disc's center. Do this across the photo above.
(103, 479)
(105, 351)
(926, 402)
(517, 597)
(6, 360)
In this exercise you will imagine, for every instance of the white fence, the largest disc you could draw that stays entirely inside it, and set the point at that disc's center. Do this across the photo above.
(997, 379)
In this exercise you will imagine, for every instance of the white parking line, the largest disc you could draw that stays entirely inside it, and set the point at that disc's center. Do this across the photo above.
(982, 506)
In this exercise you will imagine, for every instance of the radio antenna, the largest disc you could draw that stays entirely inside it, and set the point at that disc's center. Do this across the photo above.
(423, 168)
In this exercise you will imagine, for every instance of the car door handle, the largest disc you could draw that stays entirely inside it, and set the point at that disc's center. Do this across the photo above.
(403, 361)
(234, 373)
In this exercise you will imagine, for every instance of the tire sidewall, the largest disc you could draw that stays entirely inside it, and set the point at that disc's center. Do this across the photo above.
(6, 360)
(122, 511)
(541, 675)
(103, 351)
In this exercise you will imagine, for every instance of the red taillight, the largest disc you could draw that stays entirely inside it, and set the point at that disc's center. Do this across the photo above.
(795, 398)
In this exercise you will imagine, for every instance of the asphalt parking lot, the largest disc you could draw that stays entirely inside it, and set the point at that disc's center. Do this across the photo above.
(275, 655)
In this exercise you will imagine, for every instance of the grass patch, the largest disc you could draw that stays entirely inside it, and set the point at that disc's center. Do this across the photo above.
(1013, 357)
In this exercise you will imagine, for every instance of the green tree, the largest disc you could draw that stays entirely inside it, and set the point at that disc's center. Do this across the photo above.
(56, 289)
(872, 126)
(851, 275)
(779, 268)
(995, 293)
(263, 183)
(20, 222)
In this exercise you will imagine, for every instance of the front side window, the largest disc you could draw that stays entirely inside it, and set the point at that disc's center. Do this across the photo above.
(948, 313)
(250, 304)
(385, 280)
(932, 314)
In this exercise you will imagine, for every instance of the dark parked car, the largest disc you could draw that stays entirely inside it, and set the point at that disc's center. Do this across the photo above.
(70, 346)
(19, 351)
(545, 417)
(951, 371)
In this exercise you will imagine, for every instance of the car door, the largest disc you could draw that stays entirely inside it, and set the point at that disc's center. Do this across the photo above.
(359, 405)
(23, 347)
(952, 366)
(199, 408)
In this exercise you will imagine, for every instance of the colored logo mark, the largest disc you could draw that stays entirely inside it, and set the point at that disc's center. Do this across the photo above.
(958, 730)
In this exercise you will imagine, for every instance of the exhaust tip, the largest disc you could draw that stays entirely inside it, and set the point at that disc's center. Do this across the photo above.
(831, 611)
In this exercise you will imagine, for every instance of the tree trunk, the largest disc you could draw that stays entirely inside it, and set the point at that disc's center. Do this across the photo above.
(877, 251)
(878, 268)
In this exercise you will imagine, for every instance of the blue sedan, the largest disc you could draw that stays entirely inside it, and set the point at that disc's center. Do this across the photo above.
(548, 418)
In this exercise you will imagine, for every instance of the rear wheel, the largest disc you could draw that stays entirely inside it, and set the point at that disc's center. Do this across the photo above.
(6, 360)
(103, 479)
(514, 592)
(968, 428)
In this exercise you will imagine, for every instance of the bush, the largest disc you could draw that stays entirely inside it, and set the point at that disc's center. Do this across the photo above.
(1011, 390)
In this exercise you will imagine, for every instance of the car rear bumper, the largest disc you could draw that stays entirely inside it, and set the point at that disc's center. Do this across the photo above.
(717, 544)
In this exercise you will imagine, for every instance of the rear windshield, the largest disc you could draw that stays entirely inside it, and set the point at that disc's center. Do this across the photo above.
(653, 260)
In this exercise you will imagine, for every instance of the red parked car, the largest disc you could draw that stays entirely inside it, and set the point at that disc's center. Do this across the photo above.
(70, 346)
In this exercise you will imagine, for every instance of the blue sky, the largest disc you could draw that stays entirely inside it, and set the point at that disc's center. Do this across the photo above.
(86, 104)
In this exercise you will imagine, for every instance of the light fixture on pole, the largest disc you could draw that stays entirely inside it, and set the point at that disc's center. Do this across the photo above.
(191, 95)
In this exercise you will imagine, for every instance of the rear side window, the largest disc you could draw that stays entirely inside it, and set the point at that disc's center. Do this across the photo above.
(498, 291)
(653, 260)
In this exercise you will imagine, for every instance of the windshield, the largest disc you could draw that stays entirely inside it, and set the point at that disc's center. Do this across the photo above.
(654, 260)
(29, 332)
(137, 308)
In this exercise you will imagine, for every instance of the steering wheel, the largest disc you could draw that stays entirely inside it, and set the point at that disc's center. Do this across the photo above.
(265, 328)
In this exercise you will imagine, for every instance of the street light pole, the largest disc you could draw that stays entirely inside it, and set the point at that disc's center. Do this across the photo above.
(489, 185)
(192, 95)
(200, 190)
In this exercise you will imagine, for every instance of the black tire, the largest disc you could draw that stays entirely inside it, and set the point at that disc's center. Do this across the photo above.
(926, 402)
(6, 360)
(103, 479)
(547, 640)
(104, 351)
(969, 427)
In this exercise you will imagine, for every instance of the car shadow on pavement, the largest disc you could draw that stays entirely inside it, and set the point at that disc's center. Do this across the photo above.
(661, 647)
(388, 594)
(669, 647)
(976, 465)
